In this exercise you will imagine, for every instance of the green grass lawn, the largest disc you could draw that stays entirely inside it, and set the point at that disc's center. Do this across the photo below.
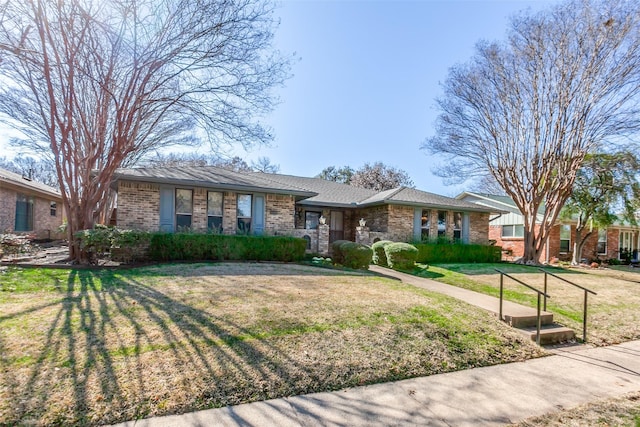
(613, 314)
(92, 347)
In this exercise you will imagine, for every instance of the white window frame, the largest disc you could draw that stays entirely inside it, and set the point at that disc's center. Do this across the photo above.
(514, 229)
(602, 233)
(564, 227)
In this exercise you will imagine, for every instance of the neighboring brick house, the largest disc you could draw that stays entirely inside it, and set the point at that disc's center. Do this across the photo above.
(507, 229)
(211, 199)
(28, 206)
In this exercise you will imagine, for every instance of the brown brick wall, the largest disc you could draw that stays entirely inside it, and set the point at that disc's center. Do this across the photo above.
(400, 226)
(377, 218)
(199, 217)
(138, 206)
(479, 228)
(516, 245)
(44, 225)
(229, 212)
(613, 243)
(7, 209)
(280, 214)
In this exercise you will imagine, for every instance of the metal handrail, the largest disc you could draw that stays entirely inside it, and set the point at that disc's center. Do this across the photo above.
(584, 305)
(539, 292)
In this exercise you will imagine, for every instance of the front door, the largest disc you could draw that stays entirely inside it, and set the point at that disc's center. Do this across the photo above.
(336, 227)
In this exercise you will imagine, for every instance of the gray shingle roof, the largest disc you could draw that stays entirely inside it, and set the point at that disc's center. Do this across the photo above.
(415, 197)
(18, 180)
(314, 191)
(328, 193)
(209, 176)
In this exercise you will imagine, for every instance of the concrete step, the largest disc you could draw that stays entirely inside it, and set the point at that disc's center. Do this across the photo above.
(550, 334)
(522, 320)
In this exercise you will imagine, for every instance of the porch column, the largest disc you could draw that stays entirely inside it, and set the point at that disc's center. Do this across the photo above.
(323, 239)
(362, 235)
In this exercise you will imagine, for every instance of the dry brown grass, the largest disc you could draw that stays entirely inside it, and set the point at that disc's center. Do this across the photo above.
(112, 346)
(613, 314)
(624, 411)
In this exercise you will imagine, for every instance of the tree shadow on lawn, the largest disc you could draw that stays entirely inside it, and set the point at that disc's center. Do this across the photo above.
(119, 350)
(242, 268)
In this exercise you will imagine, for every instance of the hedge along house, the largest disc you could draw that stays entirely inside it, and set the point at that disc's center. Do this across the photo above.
(211, 199)
(28, 206)
(617, 241)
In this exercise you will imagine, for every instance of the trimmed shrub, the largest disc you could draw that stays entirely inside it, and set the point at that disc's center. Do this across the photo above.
(379, 256)
(114, 243)
(433, 253)
(355, 255)
(401, 255)
(197, 247)
(336, 253)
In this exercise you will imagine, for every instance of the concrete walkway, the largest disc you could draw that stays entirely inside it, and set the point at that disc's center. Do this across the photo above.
(485, 302)
(490, 396)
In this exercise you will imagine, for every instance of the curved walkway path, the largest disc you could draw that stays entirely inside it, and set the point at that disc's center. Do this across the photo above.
(486, 302)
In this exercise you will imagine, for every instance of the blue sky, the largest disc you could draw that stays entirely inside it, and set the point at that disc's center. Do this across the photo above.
(364, 88)
(368, 74)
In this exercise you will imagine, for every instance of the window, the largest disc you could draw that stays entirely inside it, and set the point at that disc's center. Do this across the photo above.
(442, 223)
(184, 208)
(565, 238)
(457, 225)
(24, 213)
(311, 220)
(426, 224)
(53, 208)
(626, 245)
(244, 213)
(214, 211)
(602, 242)
(516, 230)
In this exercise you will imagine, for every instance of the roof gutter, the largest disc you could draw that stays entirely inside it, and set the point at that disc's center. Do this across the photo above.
(209, 184)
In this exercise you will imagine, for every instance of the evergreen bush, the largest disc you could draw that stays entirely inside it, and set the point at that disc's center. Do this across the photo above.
(401, 256)
(379, 256)
(355, 255)
(435, 253)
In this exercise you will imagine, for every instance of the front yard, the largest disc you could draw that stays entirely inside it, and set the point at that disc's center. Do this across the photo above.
(613, 314)
(95, 347)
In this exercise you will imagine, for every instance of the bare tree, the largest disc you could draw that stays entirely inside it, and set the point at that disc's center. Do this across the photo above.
(380, 177)
(236, 164)
(488, 185)
(527, 111)
(606, 190)
(338, 174)
(179, 159)
(99, 84)
(43, 171)
(263, 164)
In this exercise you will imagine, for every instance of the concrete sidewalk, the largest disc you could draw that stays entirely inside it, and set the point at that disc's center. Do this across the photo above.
(490, 396)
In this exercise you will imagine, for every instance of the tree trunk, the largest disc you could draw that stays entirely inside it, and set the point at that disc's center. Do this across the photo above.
(578, 244)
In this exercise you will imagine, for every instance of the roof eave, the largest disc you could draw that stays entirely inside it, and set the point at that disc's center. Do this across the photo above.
(432, 206)
(209, 184)
(40, 192)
